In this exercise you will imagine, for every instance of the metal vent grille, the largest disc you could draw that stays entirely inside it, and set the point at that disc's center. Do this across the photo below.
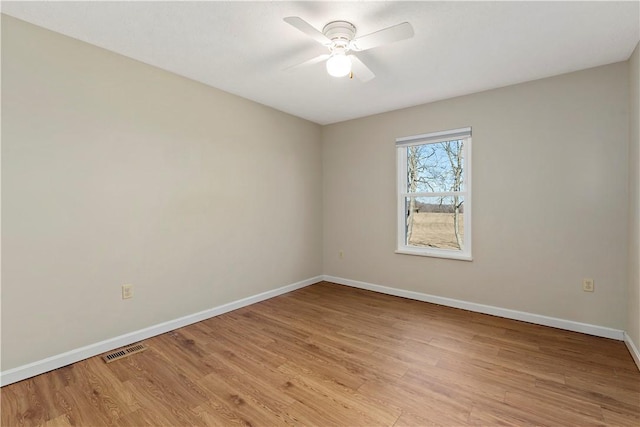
(124, 352)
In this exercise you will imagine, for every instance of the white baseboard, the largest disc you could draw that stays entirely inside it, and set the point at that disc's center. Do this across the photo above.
(58, 361)
(632, 349)
(538, 319)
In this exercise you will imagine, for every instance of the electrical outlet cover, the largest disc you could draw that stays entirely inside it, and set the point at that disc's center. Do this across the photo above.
(588, 285)
(127, 291)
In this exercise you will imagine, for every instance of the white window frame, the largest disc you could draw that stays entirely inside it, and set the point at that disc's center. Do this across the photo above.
(429, 138)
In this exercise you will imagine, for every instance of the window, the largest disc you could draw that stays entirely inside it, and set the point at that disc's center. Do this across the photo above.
(434, 194)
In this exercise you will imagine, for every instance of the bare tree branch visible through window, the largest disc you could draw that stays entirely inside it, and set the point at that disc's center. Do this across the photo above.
(436, 168)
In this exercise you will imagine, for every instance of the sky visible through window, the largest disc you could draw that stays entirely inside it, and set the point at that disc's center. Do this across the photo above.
(436, 167)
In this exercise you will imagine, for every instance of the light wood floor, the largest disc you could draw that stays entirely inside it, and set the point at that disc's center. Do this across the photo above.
(331, 355)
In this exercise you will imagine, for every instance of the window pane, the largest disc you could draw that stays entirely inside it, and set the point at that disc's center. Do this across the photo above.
(436, 222)
(436, 167)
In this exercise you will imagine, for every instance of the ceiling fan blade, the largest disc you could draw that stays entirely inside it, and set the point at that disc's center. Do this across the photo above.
(308, 29)
(309, 62)
(388, 35)
(361, 71)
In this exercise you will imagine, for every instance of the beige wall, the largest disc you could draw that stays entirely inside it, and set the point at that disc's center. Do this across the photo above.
(550, 194)
(116, 172)
(633, 314)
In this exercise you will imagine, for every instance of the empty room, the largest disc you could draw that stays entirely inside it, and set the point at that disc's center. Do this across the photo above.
(269, 213)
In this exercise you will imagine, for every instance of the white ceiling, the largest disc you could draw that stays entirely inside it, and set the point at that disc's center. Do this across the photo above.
(458, 47)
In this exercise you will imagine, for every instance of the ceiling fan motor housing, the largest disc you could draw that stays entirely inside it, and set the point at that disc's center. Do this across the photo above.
(340, 33)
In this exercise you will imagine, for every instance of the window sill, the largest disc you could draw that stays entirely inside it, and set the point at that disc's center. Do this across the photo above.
(435, 254)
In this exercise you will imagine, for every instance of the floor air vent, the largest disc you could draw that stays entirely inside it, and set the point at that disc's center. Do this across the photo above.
(124, 352)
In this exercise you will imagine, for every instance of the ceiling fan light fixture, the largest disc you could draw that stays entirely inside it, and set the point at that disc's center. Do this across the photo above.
(339, 65)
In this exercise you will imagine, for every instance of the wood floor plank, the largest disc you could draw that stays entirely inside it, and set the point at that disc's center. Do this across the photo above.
(326, 372)
(615, 416)
(333, 401)
(489, 373)
(61, 421)
(538, 367)
(243, 403)
(469, 385)
(263, 387)
(21, 406)
(567, 412)
(502, 414)
(434, 404)
(622, 391)
(329, 355)
(143, 417)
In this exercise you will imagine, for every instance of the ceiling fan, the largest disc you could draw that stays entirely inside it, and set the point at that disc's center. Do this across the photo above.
(339, 38)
